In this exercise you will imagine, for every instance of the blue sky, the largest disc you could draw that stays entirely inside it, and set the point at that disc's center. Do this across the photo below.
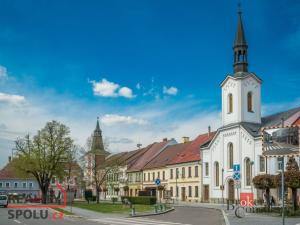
(149, 69)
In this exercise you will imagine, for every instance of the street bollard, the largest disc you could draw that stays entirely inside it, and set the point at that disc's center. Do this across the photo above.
(155, 208)
(161, 208)
(133, 211)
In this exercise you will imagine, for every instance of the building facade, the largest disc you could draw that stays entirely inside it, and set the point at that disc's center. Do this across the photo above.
(239, 139)
(12, 184)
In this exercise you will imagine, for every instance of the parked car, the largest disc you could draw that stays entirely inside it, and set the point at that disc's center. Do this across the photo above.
(3, 200)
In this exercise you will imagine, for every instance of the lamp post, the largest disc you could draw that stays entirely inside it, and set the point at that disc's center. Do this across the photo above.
(222, 185)
(176, 176)
(251, 175)
(282, 188)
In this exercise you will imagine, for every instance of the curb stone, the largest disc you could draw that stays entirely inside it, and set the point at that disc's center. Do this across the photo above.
(152, 214)
(71, 216)
(225, 218)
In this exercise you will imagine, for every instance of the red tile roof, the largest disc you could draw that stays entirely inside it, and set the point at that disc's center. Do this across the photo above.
(167, 155)
(150, 152)
(9, 172)
(297, 122)
(192, 152)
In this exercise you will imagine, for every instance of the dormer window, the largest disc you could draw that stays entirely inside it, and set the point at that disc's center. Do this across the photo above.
(250, 101)
(230, 103)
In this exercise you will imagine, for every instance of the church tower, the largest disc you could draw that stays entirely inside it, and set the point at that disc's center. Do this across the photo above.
(97, 147)
(241, 91)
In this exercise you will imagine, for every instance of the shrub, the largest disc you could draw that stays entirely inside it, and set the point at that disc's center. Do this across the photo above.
(114, 199)
(88, 194)
(140, 200)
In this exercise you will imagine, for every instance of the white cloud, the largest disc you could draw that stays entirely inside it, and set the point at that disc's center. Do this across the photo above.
(106, 88)
(111, 119)
(126, 92)
(3, 72)
(14, 99)
(170, 90)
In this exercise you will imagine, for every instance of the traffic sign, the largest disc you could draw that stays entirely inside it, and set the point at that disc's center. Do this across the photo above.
(236, 176)
(236, 168)
(157, 181)
(237, 184)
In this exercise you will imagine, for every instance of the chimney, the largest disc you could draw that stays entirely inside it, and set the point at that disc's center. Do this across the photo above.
(185, 139)
(282, 122)
(209, 131)
(9, 158)
(165, 139)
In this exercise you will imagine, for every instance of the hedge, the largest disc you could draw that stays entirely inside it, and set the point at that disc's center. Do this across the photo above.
(140, 200)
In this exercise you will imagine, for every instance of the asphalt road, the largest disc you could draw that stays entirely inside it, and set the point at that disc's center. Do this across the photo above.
(193, 215)
(181, 216)
(5, 220)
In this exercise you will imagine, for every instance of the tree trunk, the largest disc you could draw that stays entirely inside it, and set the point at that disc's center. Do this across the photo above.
(294, 199)
(268, 198)
(98, 195)
(44, 194)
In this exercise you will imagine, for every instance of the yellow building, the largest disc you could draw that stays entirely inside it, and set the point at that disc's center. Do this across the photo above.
(157, 169)
(135, 171)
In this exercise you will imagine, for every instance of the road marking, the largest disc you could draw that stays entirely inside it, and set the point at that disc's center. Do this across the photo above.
(136, 221)
(17, 221)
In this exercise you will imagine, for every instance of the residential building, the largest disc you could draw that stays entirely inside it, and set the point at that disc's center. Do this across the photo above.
(157, 169)
(12, 183)
(135, 171)
(184, 182)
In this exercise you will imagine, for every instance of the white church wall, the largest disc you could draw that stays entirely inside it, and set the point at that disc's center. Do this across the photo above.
(251, 85)
(231, 86)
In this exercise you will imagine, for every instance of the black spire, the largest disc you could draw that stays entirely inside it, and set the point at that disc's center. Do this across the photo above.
(97, 142)
(240, 47)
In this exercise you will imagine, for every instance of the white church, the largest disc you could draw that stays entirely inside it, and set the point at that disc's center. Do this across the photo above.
(239, 140)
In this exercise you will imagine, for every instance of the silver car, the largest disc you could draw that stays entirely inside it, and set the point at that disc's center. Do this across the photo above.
(3, 200)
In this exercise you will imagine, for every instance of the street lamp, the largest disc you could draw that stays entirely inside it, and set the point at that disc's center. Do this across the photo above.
(177, 191)
(282, 188)
(222, 185)
(251, 164)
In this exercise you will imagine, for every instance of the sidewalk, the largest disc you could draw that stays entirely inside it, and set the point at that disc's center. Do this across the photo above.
(249, 219)
(92, 214)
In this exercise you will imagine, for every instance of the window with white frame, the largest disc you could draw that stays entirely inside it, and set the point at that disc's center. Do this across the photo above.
(262, 164)
(24, 184)
(7, 184)
(16, 185)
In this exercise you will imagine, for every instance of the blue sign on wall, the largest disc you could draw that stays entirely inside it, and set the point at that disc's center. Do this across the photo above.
(157, 181)
(236, 176)
(236, 168)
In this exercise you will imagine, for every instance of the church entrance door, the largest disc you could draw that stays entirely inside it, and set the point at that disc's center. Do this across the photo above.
(231, 190)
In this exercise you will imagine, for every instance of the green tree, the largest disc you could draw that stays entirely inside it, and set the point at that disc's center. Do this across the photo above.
(265, 182)
(291, 179)
(44, 155)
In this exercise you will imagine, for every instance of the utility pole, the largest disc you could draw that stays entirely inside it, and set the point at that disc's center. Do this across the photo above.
(223, 185)
(282, 189)
(176, 176)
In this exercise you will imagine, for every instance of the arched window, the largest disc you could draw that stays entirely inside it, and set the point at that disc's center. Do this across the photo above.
(250, 102)
(230, 103)
(217, 183)
(248, 171)
(230, 155)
